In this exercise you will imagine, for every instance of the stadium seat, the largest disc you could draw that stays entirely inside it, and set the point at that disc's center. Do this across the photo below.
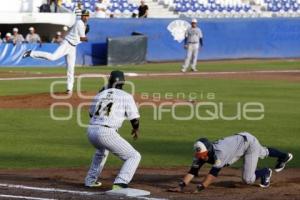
(205, 8)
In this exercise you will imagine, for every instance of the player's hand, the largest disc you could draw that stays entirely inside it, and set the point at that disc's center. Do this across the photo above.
(176, 189)
(200, 187)
(135, 133)
(185, 46)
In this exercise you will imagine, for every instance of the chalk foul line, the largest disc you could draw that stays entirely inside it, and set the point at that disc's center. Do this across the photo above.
(23, 197)
(49, 189)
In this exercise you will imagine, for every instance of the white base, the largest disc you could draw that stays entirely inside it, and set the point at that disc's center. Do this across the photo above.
(129, 192)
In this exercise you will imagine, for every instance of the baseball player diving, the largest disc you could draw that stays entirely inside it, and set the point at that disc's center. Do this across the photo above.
(225, 152)
(109, 109)
(192, 42)
(67, 48)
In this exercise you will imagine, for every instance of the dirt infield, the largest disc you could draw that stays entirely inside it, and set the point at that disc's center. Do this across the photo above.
(284, 185)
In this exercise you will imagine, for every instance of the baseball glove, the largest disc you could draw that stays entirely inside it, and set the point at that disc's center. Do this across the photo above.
(87, 29)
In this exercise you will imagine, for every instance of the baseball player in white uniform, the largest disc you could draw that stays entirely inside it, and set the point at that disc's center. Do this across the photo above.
(192, 42)
(225, 152)
(67, 48)
(109, 109)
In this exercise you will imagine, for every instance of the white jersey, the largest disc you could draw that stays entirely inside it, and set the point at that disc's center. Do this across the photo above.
(77, 31)
(111, 107)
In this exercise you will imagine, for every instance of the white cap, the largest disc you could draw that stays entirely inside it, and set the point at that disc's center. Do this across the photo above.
(15, 29)
(58, 33)
(65, 28)
(8, 35)
(194, 20)
(31, 28)
(200, 147)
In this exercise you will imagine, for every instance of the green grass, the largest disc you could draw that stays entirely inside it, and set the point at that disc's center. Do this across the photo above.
(31, 139)
(229, 65)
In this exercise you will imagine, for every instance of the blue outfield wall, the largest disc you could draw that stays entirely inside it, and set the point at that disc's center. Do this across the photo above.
(223, 39)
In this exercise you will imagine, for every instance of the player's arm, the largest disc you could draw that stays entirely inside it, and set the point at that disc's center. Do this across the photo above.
(186, 39)
(135, 123)
(194, 170)
(83, 39)
(132, 113)
(209, 179)
(81, 32)
(201, 41)
(201, 38)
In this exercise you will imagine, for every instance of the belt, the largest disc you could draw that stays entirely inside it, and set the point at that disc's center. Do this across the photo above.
(106, 126)
(109, 127)
(193, 42)
(70, 43)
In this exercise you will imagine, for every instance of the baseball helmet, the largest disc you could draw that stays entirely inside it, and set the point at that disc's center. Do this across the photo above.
(116, 78)
(203, 147)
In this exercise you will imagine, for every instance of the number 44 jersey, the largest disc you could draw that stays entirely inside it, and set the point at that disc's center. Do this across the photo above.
(111, 107)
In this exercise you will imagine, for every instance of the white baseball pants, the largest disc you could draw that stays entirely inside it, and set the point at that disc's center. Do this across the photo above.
(65, 49)
(254, 151)
(191, 56)
(107, 139)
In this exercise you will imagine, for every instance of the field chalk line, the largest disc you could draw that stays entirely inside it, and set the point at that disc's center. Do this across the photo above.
(49, 189)
(56, 190)
(131, 74)
(23, 197)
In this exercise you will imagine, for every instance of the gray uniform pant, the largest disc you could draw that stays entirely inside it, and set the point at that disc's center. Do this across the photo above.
(107, 139)
(64, 49)
(253, 151)
(191, 56)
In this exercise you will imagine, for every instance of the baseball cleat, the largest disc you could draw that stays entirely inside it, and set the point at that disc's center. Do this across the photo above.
(281, 163)
(194, 70)
(183, 70)
(26, 54)
(266, 179)
(94, 185)
(119, 186)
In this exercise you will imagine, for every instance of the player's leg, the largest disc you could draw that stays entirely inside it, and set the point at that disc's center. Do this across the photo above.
(97, 165)
(121, 148)
(187, 59)
(282, 158)
(252, 154)
(99, 158)
(195, 57)
(70, 60)
(61, 51)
